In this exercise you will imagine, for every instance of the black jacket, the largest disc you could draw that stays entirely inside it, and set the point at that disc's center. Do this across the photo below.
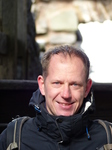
(47, 132)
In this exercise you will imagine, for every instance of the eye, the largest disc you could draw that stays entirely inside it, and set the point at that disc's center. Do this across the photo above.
(57, 83)
(75, 84)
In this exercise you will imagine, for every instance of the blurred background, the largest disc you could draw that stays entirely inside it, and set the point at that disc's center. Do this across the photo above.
(28, 28)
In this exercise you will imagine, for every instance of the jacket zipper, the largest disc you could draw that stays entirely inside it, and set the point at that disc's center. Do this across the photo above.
(60, 134)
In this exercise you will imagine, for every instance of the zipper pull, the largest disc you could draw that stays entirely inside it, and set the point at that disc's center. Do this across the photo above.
(88, 135)
(37, 109)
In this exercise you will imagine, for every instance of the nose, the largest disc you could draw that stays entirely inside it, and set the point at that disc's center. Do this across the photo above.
(66, 92)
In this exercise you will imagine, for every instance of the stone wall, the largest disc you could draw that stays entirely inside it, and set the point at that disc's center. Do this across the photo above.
(57, 21)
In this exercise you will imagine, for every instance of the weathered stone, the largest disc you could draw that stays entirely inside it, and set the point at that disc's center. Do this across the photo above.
(3, 43)
(62, 38)
(42, 26)
(92, 11)
(64, 21)
(55, 16)
(81, 9)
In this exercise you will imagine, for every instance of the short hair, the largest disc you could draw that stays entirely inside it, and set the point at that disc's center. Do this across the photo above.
(65, 50)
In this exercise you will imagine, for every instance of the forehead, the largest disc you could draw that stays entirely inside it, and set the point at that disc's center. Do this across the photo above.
(66, 67)
(70, 62)
(65, 58)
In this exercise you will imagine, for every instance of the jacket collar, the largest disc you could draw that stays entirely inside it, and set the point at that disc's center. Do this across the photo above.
(60, 128)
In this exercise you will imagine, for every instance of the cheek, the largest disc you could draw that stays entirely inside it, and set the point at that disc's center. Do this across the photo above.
(50, 93)
(53, 95)
(79, 101)
(50, 100)
(79, 96)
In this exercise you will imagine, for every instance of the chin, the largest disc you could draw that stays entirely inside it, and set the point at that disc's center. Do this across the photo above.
(65, 114)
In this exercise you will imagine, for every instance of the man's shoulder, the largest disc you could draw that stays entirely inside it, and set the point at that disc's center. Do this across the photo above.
(3, 140)
(102, 127)
(105, 131)
(14, 128)
(103, 123)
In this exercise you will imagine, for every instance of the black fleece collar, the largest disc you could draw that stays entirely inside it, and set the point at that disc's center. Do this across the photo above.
(60, 128)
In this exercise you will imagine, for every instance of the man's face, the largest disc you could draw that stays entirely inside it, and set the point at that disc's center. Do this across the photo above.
(65, 87)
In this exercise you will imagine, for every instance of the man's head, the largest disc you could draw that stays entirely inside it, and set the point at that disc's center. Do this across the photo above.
(65, 50)
(65, 80)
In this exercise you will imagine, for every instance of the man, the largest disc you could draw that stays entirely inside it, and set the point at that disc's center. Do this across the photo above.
(62, 106)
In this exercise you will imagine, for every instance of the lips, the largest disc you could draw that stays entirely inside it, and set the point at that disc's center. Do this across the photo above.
(64, 107)
(65, 104)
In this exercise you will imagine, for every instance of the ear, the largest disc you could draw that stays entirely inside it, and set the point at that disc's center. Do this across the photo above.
(40, 80)
(88, 87)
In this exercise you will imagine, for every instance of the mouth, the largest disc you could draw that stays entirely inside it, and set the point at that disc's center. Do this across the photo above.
(64, 103)
(65, 109)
